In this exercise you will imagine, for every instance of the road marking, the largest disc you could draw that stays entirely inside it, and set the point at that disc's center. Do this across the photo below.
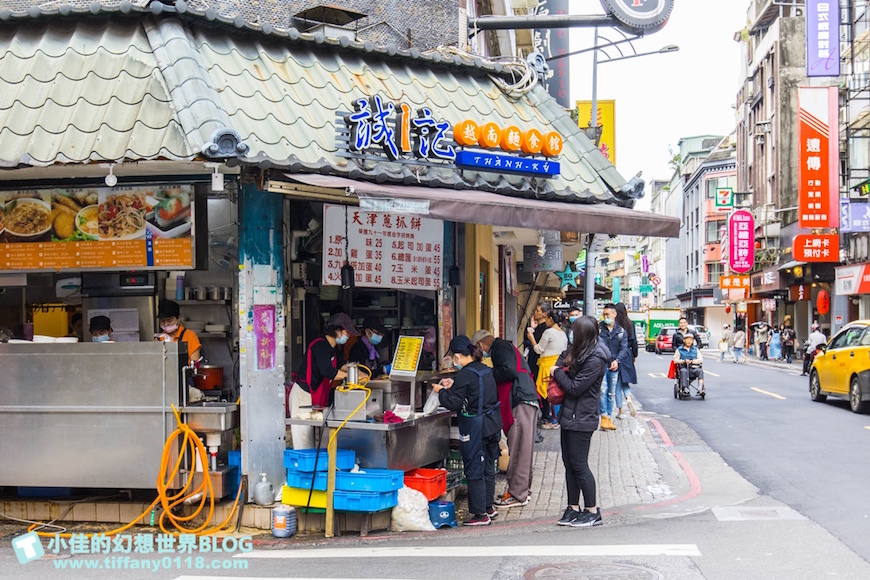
(711, 373)
(500, 551)
(658, 375)
(774, 395)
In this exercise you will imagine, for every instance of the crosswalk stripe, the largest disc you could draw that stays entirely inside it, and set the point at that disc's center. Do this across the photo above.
(622, 550)
(658, 375)
(711, 373)
(774, 395)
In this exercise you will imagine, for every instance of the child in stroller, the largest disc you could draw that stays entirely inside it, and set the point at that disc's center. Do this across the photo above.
(689, 367)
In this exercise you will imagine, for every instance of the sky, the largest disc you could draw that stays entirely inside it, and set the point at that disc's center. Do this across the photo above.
(663, 97)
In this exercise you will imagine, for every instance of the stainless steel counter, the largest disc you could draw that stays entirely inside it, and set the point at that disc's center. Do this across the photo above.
(408, 445)
(86, 414)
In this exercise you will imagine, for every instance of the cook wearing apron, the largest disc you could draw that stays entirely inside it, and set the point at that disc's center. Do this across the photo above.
(312, 386)
(473, 395)
(169, 318)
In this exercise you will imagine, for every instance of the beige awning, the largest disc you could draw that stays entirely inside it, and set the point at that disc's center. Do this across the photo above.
(493, 209)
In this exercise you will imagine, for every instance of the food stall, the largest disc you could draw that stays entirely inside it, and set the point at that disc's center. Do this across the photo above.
(74, 413)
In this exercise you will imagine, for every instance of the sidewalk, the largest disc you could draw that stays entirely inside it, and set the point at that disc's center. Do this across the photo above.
(795, 367)
(626, 473)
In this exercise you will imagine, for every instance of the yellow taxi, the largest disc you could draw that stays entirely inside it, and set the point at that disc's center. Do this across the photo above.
(842, 368)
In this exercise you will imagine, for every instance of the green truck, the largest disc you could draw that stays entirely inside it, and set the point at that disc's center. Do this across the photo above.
(658, 318)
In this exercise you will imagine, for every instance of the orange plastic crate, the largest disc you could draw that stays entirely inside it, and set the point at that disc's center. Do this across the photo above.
(431, 482)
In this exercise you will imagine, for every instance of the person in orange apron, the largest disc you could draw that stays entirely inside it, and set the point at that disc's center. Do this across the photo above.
(518, 398)
(312, 381)
(169, 318)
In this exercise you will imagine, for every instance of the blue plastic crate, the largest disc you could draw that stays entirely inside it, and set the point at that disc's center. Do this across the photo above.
(364, 501)
(302, 479)
(44, 491)
(234, 476)
(234, 457)
(303, 459)
(378, 480)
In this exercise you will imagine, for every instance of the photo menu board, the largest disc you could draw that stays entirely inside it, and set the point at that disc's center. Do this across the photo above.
(141, 227)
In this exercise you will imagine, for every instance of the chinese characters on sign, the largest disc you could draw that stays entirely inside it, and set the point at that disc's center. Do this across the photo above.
(733, 282)
(852, 280)
(407, 357)
(817, 138)
(264, 335)
(854, 217)
(816, 248)
(823, 38)
(606, 119)
(387, 250)
(741, 240)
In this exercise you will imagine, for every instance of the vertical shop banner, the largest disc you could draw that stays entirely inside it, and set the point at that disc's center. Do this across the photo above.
(819, 157)
(264, 335)
(553, 42)
(741, 241)
(823, 38)
(386, 250)
(606, 119)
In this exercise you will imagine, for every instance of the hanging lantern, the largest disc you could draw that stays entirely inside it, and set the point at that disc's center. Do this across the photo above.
(727, 310)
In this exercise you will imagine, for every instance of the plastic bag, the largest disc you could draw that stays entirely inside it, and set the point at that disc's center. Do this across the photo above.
(432, 403)
(411, 514)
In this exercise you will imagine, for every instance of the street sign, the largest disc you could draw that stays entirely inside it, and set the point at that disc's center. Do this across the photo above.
(654, 280)
(724, 199)
(646, 289)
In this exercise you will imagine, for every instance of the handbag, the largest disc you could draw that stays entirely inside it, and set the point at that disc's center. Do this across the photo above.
(672, 370)
(555, 393)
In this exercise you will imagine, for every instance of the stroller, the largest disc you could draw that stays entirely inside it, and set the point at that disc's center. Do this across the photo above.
(680, 393)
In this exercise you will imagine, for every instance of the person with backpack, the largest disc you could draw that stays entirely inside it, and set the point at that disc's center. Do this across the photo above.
(473, 396)
(627, 371)
(518, 397)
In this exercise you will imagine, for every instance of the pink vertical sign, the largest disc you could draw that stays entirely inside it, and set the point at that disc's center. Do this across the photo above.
(741, 241)
(264, 335)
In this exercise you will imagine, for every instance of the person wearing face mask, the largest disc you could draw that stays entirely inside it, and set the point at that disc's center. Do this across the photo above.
(169, 318)
(365, 350)
(312, 381)
(518, 400)
(101, 329)
(573, 315)
(473, 396)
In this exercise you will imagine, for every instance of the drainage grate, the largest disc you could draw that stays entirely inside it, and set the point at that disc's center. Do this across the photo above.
(587, 570)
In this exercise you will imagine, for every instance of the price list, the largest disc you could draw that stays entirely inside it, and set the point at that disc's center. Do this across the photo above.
(386, 250)
(175, 253)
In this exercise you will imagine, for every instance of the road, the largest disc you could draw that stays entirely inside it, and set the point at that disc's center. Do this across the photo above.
(810, 456)
(765, 484)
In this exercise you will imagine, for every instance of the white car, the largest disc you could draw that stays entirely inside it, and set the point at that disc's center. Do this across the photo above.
(703, 332)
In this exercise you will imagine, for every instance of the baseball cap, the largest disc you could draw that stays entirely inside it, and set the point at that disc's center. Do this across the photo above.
(168, 309)
(374, 323)
(479, 335)
(343, 320)
(459, 345)
(100, 323)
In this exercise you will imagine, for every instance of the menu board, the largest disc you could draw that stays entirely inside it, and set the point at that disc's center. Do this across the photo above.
(386, 250)
(407, 356)
(142, 227)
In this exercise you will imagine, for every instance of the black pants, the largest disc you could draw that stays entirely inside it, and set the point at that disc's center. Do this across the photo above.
(762, 351)
(481, 486)
(546, 415)
(787, 352)
(808, 361)
(578, 476)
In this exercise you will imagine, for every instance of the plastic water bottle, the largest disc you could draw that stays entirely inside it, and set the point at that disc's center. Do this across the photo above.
(283, 521)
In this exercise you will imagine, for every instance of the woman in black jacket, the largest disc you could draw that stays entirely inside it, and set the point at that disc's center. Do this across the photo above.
(472, 394)
(579, 372)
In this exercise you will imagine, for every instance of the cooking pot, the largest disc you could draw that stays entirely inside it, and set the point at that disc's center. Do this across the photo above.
(199, 293)
(209, 378)
(214, 293)
(227, 293)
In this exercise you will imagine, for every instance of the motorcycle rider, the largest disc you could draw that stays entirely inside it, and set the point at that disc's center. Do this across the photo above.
(816, 339)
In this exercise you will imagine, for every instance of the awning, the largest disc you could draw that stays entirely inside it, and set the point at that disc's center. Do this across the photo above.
(792, 264)
(498, 210)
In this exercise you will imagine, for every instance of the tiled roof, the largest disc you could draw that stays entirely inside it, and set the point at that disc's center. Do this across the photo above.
(81, 92)
(160, 87)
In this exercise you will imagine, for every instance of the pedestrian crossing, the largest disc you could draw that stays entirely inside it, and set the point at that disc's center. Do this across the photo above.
(458, 552)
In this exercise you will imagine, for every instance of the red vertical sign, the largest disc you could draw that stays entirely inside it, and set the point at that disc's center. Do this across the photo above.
(819, 166)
